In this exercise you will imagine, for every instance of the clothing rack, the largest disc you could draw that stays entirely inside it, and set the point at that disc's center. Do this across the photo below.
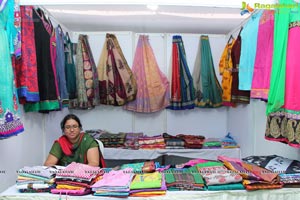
(52, 18)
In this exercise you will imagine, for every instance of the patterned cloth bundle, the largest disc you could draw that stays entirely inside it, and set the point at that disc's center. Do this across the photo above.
(35, 179)
(76, 179)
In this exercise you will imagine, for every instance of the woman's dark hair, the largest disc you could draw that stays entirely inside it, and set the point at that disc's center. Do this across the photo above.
(67, 117)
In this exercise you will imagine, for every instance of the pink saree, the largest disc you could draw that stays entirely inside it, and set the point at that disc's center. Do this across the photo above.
(153, 87)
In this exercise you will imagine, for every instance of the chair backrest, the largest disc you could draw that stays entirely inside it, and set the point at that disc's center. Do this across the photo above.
(101, 146)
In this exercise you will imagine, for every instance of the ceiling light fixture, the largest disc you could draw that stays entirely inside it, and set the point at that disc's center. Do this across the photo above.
(153, 7)
(205, 15)
(101, 13)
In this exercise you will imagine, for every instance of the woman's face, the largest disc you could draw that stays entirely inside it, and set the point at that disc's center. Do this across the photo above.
(72, 130)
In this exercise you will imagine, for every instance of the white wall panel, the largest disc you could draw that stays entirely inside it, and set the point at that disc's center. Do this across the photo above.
(25, 149)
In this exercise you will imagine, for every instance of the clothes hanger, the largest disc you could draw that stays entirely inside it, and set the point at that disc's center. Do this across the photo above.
(240, 31)
(230, 38)
(61, 31)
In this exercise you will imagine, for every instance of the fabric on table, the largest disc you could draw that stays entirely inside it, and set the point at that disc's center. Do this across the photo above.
(229, 186)
(79, 170)
(146, 180)
(115, 178)
(184, 179)
(218, 175)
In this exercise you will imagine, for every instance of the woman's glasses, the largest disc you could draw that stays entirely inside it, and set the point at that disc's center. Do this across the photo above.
(68, 127)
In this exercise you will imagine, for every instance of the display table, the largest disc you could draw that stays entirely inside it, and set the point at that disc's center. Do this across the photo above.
(209, 154)
(277, 194)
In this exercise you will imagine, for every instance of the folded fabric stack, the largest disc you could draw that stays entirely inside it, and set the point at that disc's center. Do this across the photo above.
(95, 133)
(131, 141)
(152, 142)
(148, 184)
(192, 141)
(115, 183)
(254, 177)
(218, 177)
(140, 167)
(173, 142)
(183, 179)
(288, 169)
(76, 179)
(212, 143)
(35, 179)
(229, 142)
(113, 140)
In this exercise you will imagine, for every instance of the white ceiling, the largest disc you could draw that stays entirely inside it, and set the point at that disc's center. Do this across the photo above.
(188, 16)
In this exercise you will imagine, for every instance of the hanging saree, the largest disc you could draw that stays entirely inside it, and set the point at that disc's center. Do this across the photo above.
(25, 66)
(263, 59)
(86, 76)
(225, 70)
(117, 85)
(10, 122)
(70, 67)
(209, 91)
(182, 89)
(283, 123)
(153, 86)
(45, 44)
(60, 66)
(237, 96)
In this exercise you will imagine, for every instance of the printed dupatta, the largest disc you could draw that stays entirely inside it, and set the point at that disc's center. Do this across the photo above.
(153, 86)
(116, 81)
(182, 89)
(87, 80)
(208, 89)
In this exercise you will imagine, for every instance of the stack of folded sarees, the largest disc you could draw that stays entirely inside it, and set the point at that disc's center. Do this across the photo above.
(115, 183)
(32, 179)
(254, 177)
(76, 179)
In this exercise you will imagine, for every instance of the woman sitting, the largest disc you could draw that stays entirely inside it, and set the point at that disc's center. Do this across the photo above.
(74, 146)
